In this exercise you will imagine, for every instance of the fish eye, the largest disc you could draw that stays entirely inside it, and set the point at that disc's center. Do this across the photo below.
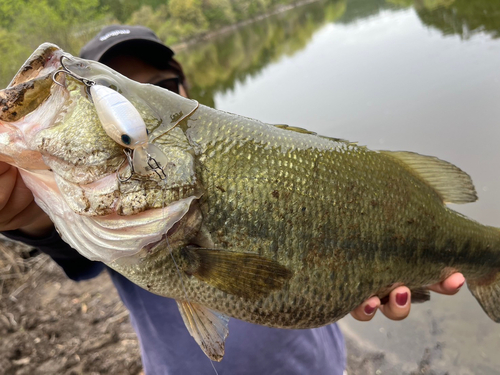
(126, 139)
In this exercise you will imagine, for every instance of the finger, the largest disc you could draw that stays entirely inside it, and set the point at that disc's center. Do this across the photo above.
(449, 286)
(29, 215)
(366, 311)
(8, 177)
(4, 167)
(398, 306)
(17, 206)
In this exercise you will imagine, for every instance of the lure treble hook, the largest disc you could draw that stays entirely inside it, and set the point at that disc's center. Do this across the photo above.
(65, 69)
(128, 154)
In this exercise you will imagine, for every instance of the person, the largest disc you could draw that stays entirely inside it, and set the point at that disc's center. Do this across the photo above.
(166, 346)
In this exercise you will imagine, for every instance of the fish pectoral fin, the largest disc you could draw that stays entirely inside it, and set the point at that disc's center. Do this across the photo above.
(241, 274)
(451, 183)
(419, 295)
(208, 328)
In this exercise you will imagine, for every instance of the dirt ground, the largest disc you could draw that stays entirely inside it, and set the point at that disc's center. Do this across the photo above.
(52, 325)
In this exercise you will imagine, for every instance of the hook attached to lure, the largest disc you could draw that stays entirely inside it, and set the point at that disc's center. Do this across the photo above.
(123, 123)
(64, 69)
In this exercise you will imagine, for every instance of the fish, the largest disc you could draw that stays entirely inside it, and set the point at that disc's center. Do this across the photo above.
(230, 216)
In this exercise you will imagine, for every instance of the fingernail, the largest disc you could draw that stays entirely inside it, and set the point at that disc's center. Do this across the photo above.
(369, 309)
(401, 299)
(461, 285)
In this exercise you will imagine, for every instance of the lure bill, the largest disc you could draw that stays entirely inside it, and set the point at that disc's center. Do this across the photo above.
(274, 225)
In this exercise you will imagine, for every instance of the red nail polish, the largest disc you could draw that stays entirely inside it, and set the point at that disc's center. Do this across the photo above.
(369, 309)
(401, 299)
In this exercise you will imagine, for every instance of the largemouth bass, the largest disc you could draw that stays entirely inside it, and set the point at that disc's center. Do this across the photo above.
(274, 225)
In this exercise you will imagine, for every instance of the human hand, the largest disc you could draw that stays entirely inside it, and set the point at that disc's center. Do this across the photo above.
(398, 304)
(18, 209)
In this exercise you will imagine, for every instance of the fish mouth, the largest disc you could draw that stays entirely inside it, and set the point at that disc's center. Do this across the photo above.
(32, 84)
(30, 88)
(45, 59)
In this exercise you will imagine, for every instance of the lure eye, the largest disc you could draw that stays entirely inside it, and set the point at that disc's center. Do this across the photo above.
(126, 139)
(119, 118)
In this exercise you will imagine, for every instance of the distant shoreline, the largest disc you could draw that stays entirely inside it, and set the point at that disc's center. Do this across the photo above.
(212, 34)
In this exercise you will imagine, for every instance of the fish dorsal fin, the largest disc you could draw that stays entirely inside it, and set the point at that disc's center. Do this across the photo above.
(305, 131)
(241, 274)
(451, 183)
(208, 328)
(294, 129)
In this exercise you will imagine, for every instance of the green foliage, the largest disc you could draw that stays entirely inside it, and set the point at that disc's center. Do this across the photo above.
(53, 20)
(11, 52)
(218, 12)
(149, 17)
(8, 11)
(187, 11)
(402, 3)
(123, 10)
(26, 24)
(186, 20)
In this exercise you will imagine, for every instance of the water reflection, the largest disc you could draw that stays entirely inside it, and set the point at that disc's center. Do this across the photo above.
(463, 17)
(232, 58)
(219, 65)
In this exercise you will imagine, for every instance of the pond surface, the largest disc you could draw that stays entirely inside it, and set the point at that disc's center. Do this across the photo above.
(421, 77)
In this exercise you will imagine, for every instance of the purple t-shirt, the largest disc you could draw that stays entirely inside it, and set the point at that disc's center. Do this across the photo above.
(167, 348)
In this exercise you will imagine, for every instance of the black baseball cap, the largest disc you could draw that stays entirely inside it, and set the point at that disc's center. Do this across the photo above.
(138, 41)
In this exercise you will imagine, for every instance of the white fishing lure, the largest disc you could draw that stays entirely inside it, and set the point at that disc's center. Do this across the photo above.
(119, 118)
(124, 124)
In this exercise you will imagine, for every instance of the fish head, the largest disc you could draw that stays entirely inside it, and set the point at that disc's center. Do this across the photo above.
(84, 180)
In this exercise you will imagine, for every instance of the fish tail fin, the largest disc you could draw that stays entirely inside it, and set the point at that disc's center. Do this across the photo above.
(487, 294)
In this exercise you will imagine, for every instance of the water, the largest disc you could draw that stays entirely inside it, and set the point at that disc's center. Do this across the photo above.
(422, 78)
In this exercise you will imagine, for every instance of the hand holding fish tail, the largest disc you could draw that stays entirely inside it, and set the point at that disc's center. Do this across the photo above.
(18, 209)
(397, 304)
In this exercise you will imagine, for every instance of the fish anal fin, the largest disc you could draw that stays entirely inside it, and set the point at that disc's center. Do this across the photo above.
(487, 293)
(242, 274)
(451, 183)
(209, 328)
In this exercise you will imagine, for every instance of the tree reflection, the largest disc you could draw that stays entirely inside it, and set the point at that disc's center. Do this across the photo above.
(463, 17)
(233, 57)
